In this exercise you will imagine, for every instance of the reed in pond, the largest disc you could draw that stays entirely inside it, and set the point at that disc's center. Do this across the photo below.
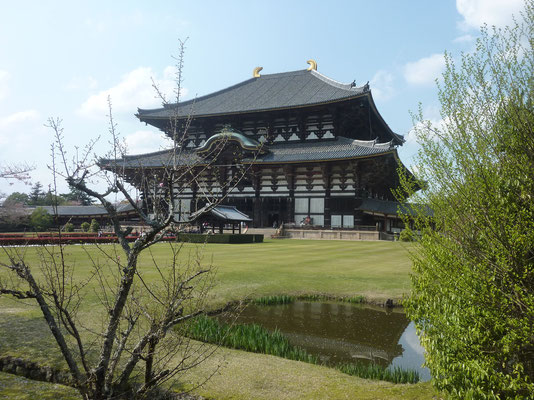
(249, 337)
(274, 300)
(374, 371)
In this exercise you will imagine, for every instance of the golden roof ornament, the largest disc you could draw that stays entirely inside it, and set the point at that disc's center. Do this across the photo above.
(256, 72)
(313, 65)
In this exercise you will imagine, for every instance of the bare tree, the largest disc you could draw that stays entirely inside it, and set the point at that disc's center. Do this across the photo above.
(138, 344)
(18, 172)
(15, 172)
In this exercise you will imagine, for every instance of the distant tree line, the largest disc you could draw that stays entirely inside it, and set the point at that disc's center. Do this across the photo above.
(39, 197)
(13, 216)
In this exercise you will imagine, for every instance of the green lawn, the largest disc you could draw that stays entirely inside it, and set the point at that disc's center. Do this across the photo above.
(376, 270)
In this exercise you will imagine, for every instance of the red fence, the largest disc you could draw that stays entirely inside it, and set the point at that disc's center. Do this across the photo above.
(20, 239)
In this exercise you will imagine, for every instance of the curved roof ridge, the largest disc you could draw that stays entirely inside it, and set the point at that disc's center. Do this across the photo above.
(152, 153)
(333, 82)
(373, 143)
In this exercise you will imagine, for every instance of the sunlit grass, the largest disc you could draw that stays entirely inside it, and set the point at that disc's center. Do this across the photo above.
(320, 270)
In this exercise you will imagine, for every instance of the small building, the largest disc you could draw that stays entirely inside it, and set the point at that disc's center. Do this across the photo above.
(80, 214)
(220, 217)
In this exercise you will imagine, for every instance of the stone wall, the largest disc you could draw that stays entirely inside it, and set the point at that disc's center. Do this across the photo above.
(332, 235)
(31, 370)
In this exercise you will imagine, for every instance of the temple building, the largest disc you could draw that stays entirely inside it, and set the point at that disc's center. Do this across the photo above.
(301, 148)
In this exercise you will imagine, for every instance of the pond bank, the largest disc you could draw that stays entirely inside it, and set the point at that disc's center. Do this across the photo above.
(334, 333)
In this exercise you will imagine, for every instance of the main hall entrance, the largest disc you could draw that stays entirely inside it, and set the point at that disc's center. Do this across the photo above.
(275, 210)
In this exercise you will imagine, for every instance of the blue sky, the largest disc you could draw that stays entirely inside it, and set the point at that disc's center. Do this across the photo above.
(62, 59)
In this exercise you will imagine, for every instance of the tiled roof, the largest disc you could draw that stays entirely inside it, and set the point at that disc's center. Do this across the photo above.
(268, 92)
(340, 148)
(336, 149)
(393, 207)
(153, 160)
(224, 213)
(380, 206)
(85, 210)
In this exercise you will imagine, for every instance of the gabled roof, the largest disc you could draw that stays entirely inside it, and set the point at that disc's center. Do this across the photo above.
(222, 213)
(267, 92)
(246, 143)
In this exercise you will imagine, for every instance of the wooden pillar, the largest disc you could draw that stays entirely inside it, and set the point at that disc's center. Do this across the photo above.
(256, 184)
(270, 134)
(193, 205)
(327, 175)
(223, 180)
(289, 172)
(358, 213)
(302, 126)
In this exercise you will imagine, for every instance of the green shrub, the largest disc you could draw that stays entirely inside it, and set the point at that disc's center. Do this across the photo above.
(472, 293)
(85, 226)
(69, 227)
(40, 219)
(95, 226)
(216, 238)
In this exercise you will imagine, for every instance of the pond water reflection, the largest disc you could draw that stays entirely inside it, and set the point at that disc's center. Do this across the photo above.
(340, 333)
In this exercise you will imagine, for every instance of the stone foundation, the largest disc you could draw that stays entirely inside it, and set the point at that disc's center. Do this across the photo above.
(31, 370)
(332, 235)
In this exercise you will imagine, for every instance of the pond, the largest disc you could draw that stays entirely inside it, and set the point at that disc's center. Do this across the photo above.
(344, 333)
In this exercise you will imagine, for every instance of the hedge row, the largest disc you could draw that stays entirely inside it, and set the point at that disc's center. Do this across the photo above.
(219, 238)
(42, 239)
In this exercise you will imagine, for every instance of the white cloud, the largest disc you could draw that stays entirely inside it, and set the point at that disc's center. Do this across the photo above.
(425, 70)
(4, 76)
(17, 118)
(106, 24)
(431, 127)
(87, 82)
(23, 139)
(145, 141)
(134, 90)
(492, 12)
(464, 39)
(382, 86)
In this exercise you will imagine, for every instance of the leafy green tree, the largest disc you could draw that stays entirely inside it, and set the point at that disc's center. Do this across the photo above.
(95, 226)
(16, 198)
(85, 226)
(473, 282)
(51, 199)
(76, 195)
(36, 195)
(40, 219)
